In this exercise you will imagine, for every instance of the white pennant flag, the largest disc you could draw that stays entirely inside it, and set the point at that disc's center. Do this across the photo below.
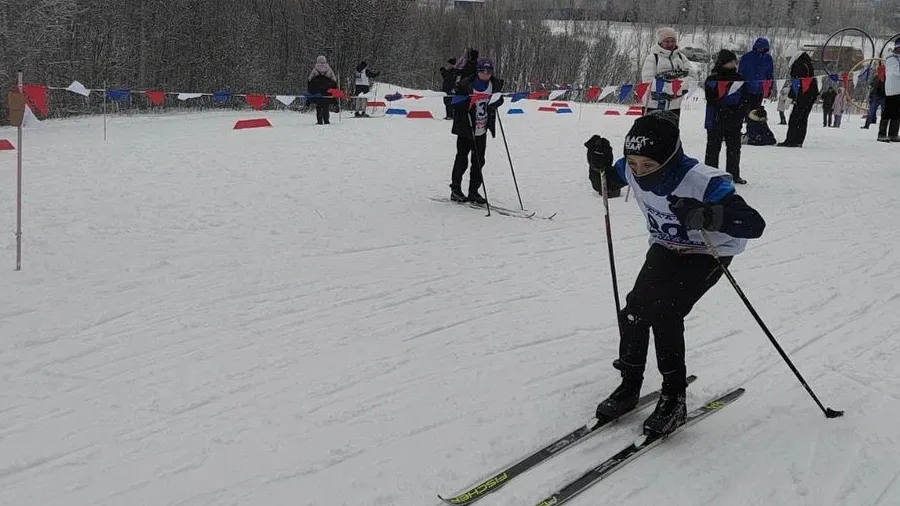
(188, 96)
(607, 91)
(779, 84)
(79, 88)
(856, 74)
(287, 100)
(556, 94)
(495, 97)
(735, 86)
(821, 80)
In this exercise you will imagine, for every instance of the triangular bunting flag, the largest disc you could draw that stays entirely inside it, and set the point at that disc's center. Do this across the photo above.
(558, 93)
(676, 87)
(221, 96)
(607, 91)
(767, 87)
(640, 90)
(722, 88)
(592, 93)
(476, 97)
(287, 100)
(338, 93)
(155, 97)
(495, 97)
(845, 77)
(805, 83)
(735, 86)
(625, 91)
(257, 102)
(519, 95)
(188, 96)
(37, 97)
(118, 95)
(79, 89)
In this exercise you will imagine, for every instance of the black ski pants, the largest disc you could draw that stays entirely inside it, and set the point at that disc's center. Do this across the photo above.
(323, 112)
(799, 120)
(890, 117)
(727, 129)
(666, 289)
(466, 146)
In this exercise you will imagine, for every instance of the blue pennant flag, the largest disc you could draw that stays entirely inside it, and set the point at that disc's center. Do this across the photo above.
(519, 95)
(625, 91)
(220, 97)
(118, 95)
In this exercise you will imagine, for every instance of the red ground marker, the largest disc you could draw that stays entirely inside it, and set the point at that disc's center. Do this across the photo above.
(5, 145)
(419, 115)
(252, 123)
(611, 112)
(547, 109)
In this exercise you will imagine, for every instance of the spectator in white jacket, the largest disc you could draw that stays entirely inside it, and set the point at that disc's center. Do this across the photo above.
(667, 63)
(889, 128)
(784, 103)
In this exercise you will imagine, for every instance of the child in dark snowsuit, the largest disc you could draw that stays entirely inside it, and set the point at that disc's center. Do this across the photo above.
(474, 116)
(680, 197)
(758, 132)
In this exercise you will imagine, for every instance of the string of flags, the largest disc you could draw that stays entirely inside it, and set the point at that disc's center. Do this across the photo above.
(36, 95)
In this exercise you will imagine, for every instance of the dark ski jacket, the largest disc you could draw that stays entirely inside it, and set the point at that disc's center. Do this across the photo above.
(757, 66)
(730, 109)
(465, 116)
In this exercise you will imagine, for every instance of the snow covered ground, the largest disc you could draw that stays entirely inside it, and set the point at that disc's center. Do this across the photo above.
(283, 317)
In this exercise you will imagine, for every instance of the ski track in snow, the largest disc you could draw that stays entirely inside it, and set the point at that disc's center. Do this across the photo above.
(283, 316)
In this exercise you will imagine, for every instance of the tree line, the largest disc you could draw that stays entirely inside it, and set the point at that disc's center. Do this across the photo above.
(252, 46)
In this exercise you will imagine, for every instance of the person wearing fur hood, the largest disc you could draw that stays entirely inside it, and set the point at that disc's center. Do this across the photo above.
(320, 80)
(665, 62)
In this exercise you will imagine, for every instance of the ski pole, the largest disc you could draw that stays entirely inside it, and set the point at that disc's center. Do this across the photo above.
(612, 260)
(511, 169)
(829, 413)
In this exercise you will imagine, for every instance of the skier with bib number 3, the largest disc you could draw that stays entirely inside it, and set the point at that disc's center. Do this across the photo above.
(680, 198)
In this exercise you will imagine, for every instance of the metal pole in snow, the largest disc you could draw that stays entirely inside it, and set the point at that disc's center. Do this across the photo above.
(104, 112)
(19, 183)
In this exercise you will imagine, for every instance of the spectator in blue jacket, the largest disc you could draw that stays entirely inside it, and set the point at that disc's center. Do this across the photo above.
(756, 66)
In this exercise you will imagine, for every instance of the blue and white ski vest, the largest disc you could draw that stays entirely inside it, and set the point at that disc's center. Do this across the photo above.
(688, 178)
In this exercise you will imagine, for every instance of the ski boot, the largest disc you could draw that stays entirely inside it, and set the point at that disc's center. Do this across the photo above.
(671, 409)
(670, 413)
(476, 198)
(625, 397)
(456, 194)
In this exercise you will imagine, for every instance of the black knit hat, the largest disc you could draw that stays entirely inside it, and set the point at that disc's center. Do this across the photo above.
(655, 136)
(724, 57)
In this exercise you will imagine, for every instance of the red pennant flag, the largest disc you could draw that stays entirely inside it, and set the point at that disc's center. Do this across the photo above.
(256, 101)
(767, 87)
(476, 97)
(37, 97)
(676, 87)
(592, 93)
(846, 78)
(338, 93)
(805, 83)
(155, 97)
(641, 89)
(722, 87)
(537, 95)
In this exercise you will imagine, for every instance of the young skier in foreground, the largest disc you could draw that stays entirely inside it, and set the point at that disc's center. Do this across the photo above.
(680, 197)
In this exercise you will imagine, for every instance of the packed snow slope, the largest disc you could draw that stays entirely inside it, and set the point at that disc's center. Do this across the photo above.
(283, 316)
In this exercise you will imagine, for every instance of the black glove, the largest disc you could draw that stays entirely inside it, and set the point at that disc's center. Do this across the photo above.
(599, 153)
(696, 215)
